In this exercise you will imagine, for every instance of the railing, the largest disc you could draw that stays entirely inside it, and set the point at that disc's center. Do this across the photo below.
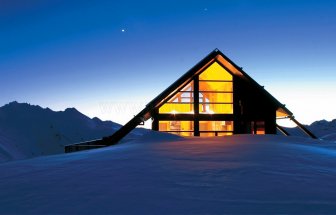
(85, 146)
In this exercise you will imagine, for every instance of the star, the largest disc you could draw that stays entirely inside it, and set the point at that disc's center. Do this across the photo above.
(123, 30)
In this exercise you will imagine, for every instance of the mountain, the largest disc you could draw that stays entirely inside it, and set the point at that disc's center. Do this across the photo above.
(29, 130)
(323, 129)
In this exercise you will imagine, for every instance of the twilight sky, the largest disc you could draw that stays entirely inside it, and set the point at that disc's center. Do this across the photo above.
(110, 58)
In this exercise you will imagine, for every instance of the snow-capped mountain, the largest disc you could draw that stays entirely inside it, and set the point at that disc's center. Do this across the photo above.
(29, 130)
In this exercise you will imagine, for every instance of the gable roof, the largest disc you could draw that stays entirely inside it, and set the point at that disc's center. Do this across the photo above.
(146, 113)
(225, 62)
(214, 56)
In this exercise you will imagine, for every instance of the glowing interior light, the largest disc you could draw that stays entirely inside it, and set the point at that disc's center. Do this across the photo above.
(210, 112)
(173, 112)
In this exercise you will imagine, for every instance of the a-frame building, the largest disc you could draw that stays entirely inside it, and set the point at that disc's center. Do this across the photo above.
(214, 98)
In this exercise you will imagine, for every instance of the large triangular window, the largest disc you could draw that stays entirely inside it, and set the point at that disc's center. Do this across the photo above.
(215, 91)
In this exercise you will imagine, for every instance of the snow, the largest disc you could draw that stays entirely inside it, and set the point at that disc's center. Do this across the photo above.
(159, 173)
(165, 174)
(331, 137)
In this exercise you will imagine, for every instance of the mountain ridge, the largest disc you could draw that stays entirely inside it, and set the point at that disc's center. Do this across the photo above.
(323, 129)
(29, 130)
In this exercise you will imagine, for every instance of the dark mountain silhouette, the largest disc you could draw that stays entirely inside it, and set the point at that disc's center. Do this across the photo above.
(323, 129)
(30, 130)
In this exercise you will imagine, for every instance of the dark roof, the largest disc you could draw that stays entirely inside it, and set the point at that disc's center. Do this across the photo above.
(214, 56)
(230, 66)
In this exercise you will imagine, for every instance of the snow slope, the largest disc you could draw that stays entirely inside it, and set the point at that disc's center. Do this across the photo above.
(240, 174)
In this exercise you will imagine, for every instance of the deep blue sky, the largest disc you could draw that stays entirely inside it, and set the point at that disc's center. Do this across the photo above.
(109, 58)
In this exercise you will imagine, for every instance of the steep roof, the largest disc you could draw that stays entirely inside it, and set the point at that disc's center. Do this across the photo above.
(146, 113)
(214, 56)
(219, 57)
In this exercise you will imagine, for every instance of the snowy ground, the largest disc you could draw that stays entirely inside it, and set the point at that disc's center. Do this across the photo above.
(238, 174)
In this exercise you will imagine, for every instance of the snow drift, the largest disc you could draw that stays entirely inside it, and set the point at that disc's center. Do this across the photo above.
(225, 175)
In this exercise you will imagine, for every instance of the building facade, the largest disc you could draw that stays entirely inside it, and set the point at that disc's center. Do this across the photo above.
(216, 98)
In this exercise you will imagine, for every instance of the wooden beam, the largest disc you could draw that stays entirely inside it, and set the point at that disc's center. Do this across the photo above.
(282, 130)
(196, 106)
(191, 117)
(303, 128)
(127, 128)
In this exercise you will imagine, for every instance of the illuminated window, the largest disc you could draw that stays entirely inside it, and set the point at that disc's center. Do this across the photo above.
(216, 128)
(182, 102)
(215, 94)
(215, 91)
(210, 108)
(258, 127)
(281, 113)
(183, 128)
(215, 86)
(216, 72)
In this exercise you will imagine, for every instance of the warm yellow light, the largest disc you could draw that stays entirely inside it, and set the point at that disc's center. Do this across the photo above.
(177, 107)
(183, 128)
(181, 102)
(173, 112)
(216, 90)
(210, 112)
(216, 72)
